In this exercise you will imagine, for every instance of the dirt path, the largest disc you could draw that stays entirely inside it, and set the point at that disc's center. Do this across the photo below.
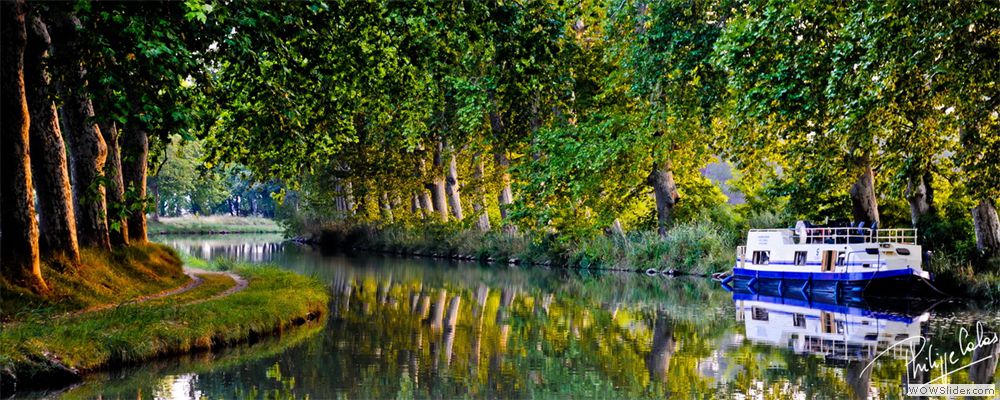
(241, 284)
(195, 282)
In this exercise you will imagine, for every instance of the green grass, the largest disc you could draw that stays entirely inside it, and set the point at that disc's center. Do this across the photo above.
(37, 347)
(100, 278)
(213, 224)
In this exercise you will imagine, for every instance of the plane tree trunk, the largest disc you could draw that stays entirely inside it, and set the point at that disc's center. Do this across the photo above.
(984, 217)
(452, 187)
(19, 241)
(479, 200)
(920, 195)
(135, 151)
(863, 200)
(665, 193)
(436, 185)
(506, 196)
(87, 147)
(115, 190)
(57, 222)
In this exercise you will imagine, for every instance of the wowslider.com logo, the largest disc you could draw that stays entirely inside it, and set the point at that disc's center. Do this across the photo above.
(951, 390)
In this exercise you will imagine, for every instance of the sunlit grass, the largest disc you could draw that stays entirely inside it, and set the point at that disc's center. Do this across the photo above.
(100, 278)
(274, 300)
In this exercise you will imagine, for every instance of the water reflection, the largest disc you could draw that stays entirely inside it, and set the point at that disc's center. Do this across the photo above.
(422, 328)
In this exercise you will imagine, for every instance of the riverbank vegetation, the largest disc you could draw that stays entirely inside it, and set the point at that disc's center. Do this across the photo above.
(49, 349)
(194, 224)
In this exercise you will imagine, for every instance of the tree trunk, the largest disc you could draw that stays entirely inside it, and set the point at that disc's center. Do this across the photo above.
(665, 193)
(117, 223)
(386, 206)
(87, 146)
(135, 151)
(57, 222)
(154, 188)
(984, 217)
(479, 203)
(436, 185)
(864, 203)
(920, 195)
(349, 197)
(452, 187)
(19, 241)
(506, 196)
(426, 206)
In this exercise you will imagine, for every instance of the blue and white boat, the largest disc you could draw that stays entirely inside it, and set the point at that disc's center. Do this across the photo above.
(840, 260)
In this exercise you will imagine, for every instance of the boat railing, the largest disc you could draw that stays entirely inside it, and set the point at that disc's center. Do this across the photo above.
(903, 236)
(839, 235)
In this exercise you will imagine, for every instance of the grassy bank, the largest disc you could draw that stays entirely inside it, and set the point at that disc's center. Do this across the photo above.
(49, 347)
(194, 224)
(101, 278)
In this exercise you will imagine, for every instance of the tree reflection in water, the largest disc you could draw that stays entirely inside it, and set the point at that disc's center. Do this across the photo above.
(422, 328)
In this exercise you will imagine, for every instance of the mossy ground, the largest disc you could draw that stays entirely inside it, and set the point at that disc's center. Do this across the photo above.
(213, 224)
(48, 345)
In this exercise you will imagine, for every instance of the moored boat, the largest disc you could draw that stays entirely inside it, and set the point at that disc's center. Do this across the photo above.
(843, 260)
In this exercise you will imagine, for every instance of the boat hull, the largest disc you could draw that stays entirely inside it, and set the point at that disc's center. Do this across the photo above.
(896, 283)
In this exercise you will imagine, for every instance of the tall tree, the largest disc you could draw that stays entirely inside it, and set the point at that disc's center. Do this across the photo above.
(57, 221)
(19, 242)
(115, 186)
(88, 149)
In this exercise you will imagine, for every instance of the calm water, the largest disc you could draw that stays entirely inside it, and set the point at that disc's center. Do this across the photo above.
(404, 328)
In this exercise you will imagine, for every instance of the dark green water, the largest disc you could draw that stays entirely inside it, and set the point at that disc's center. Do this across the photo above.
(416, 328)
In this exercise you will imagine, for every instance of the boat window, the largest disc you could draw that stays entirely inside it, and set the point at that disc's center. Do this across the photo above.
(761, 257)
(799, 321)
(871, 250)
(800, 258)
(759, 314)
(903, 251)
(840, 258)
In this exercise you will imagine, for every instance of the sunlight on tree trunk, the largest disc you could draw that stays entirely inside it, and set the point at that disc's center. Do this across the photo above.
(117, 223)
(479, 198)
(19, 242)
(87, 147)
(452, 187)
(57, 222)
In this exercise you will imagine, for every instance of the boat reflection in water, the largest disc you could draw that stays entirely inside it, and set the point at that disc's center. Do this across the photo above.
(847, 336)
